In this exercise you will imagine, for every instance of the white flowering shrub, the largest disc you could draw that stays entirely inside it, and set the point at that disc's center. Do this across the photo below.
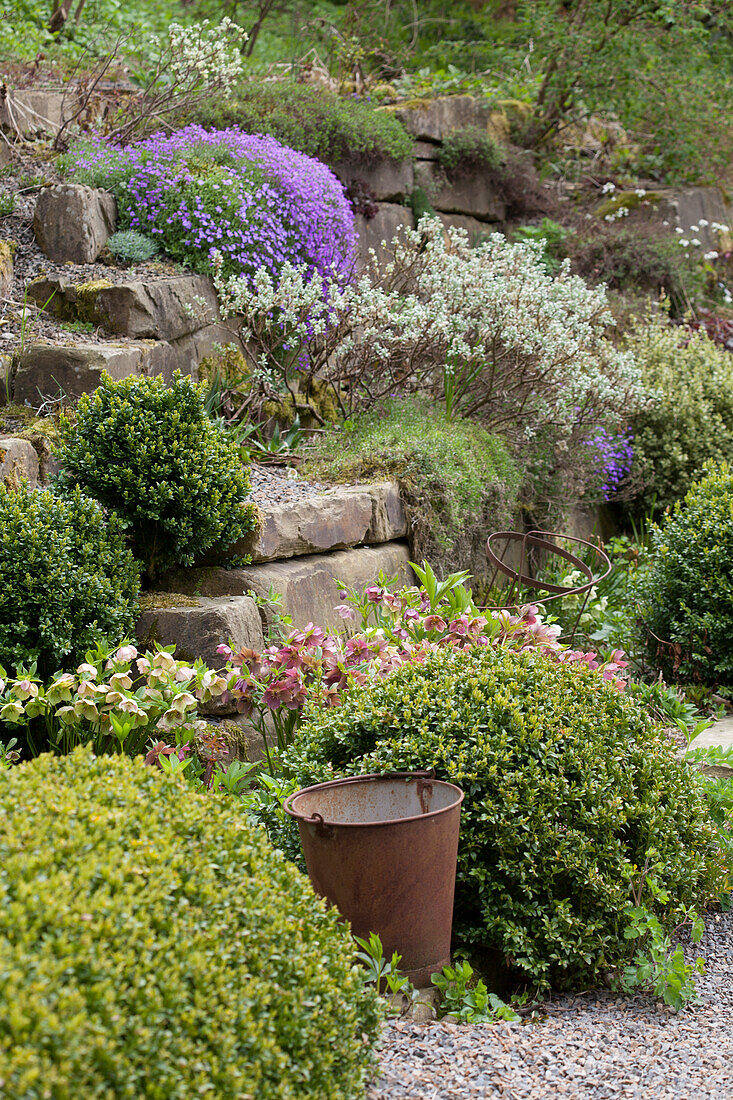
(487, 330)
(189, 63)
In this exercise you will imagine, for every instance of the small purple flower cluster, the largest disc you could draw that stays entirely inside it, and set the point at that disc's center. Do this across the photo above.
(245, 195)
(614, 454)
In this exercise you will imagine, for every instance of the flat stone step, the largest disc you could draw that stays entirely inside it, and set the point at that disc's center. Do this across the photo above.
(308, 585)
(164, 308)
(334, 520)
(198, 624)
(719, 735)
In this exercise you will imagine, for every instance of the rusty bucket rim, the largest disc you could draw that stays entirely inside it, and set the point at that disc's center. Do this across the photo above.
(347, 779)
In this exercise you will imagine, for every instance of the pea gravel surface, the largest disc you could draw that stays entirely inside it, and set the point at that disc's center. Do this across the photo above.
(596, 1045)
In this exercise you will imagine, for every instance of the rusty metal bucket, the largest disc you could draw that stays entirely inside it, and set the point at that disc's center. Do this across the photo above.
(383, 850)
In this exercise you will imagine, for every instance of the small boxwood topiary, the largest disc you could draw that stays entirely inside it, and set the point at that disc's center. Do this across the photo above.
(568, 785)
(152, 944)
(67, 579)
(686, 595)
(148, 451)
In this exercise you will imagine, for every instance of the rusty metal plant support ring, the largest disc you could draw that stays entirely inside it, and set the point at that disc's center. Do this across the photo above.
(544, 541)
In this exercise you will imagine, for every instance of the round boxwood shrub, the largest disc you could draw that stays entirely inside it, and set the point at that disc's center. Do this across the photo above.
(67, 579)
(148, 451)
(246, 196)
(568, 784)
(687, 593)
(152, 944)
(690, 415)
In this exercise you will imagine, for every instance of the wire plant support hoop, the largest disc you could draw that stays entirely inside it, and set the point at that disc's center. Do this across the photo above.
(534, 548)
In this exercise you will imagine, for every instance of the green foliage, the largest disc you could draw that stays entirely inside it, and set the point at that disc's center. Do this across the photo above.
(568, 782)
(690, 416)
(467, 1001)
(153, 945)
(148, 451)
(453, 476)
(657, 966)
(687, 593)
(550, 236)
(470, 150)
(310, 119)
(67, 579)
(625, 259)
(7, 203)
(131, 247)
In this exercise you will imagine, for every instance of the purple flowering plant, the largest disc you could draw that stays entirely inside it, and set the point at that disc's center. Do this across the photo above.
(244, 196)
(614, 454)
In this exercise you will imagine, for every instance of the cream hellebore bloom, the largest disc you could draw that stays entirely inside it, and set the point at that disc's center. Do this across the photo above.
(25, 689)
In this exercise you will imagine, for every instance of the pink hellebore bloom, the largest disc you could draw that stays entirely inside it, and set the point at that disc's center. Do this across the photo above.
(345, 611)
(126, 653)
(434, 622)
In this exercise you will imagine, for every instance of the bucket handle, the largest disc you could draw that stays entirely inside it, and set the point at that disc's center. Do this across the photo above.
(424, 777)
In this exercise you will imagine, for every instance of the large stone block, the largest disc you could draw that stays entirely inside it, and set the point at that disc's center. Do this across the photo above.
(475, 229)
(388, 180)
(332, 520)
(18, 461)
(45, 370)
(473, 193)
(166, 308)
(28, 112)
(707, 205)
(381, 229)
(308, 585)
(7, 248)
(198, 626)
(72, 222)
(432, 120)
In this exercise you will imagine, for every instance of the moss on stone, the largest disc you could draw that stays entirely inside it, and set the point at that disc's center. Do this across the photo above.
(159, 601)
(628, 200)
(85, 306)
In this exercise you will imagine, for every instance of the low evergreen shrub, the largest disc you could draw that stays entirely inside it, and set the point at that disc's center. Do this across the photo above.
(689, 418)
(149, 452)
(470, 150)
(153, 945)
(687, 592)
(569, 787)
(67, 579)
(312, 120)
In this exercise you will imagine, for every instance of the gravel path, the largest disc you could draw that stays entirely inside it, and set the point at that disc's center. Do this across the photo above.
(273, 485)
(598, 1046)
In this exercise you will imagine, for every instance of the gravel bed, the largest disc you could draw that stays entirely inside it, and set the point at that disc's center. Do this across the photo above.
(272, 485)
(29, 263)
(597, 1045)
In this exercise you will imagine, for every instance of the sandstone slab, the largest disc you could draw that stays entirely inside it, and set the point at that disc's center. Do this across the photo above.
(388, 180)
(476, 230)
(379, 231)
(18, 462)
(334, 520)
(473, 193)
(704, 205)
(199, 625)
(72, 222)
(166, 308)
(308, 585)
(28, 112)
(45, 370)
(6, 267)
(433, 120)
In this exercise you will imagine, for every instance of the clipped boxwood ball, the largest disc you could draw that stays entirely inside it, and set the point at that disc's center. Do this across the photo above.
(567, 783)
(153, 945)
(687, 594)
(148, 451)
(67, 579)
